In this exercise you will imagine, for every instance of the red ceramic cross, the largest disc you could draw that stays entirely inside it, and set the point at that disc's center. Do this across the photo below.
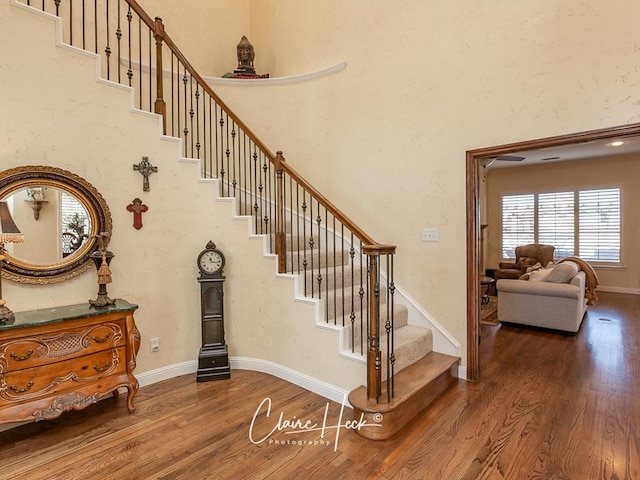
(137, 207)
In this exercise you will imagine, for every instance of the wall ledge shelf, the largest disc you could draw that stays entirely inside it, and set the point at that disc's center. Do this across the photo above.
(253, 82)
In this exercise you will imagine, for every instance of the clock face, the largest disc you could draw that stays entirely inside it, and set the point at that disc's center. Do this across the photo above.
(210, 261)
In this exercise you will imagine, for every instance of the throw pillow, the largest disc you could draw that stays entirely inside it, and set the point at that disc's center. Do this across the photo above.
(533, 268)
(540, 275)
(562, 272)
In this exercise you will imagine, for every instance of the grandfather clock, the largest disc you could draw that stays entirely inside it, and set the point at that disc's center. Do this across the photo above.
(213, 360)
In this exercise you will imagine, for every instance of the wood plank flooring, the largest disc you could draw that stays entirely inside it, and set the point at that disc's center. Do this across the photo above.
(549, 406)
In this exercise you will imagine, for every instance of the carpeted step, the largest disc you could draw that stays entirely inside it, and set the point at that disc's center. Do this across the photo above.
(400, 319)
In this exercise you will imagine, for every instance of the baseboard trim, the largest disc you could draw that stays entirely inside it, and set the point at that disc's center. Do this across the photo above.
(630, 291)
(165, 373)
(254, 364)
(285, 373)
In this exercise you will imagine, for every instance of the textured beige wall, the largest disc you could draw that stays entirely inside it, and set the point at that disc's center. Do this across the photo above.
(86, 127)
(206, 32)
(425, 82)
(607, 172)
(385, 138)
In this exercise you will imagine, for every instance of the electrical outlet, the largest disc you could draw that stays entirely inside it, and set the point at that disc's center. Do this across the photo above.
(430, 235)
(155, 344)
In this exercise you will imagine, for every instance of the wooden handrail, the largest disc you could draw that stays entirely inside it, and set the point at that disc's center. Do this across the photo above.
(270, 201)
(370, 248)
(331, 208)
(328, 205)
(179, 55)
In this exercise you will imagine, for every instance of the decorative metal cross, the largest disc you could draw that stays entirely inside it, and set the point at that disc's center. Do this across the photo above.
(145, 168)
(138, 208)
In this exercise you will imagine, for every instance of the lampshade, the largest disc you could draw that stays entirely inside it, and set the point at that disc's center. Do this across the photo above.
(9, 232)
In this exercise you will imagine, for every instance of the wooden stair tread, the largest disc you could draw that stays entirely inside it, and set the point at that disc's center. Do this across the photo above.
(407, 381)
(416, 387)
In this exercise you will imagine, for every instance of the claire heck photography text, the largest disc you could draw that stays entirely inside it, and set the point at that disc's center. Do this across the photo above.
(278, 428)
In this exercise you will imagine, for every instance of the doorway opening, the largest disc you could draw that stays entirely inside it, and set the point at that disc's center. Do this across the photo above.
(474, 161)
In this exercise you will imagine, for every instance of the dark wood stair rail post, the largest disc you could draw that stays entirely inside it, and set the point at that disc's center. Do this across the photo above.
(280, 246)
(374, 361)
(160, 106)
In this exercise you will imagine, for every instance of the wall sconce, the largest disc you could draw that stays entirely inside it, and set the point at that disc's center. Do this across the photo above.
(9, 233)
(36, 199)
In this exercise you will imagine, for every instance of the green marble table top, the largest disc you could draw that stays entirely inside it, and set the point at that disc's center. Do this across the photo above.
(62, 313)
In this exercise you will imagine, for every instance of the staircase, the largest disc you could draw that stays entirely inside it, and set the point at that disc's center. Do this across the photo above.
(339, 265)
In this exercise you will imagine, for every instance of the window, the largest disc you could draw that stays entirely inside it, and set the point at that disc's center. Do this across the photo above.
(584, 223)
(75, 218)
(600, 225)
(517, 222)
(556, 222)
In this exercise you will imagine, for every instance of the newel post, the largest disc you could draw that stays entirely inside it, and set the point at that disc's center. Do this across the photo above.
(280, 246)
(374, 354)
(160, 106)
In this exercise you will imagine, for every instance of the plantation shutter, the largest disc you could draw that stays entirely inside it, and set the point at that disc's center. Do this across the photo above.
(600, 225)
(556, 222)
(518, 216)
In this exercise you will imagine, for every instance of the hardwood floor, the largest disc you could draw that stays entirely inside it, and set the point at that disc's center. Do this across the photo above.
(548, 406)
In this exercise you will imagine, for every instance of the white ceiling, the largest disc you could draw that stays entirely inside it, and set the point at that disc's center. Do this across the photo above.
(578, 151)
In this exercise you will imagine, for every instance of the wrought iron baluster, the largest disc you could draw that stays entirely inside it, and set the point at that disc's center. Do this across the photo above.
(256, 174)
(304, 238)
(119, 39)
(265, 184)
(222, 151)
(291, 234)
(150, 49)
(197, 117)
(191, 114)
(352, 314)
(363, 293)
(297, 248)
(234, 159)
(84, 30)
(140, 63)
(185, 130)
(335, 270)
(246, 155)
(391, 288)
(71, 21)
(172, 101)
(311, 242)
(217, 121)
(95, 26)
(342, 274)
(211, 129)
(107, 49)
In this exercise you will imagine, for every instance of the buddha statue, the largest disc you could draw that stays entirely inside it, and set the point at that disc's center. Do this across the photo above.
(246, 55)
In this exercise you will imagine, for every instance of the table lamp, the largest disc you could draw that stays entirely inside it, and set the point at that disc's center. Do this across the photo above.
(9, 233)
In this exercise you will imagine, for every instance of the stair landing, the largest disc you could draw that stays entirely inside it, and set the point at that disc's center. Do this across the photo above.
(416, 387)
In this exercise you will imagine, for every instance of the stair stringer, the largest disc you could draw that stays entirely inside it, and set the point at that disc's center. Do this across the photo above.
(319, 304)
(443, 341)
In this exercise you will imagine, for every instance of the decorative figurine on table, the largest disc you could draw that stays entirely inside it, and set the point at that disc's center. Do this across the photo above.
(102, 258)
(246, 54)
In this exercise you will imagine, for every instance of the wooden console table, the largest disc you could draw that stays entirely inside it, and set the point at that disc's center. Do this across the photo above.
(66, 358)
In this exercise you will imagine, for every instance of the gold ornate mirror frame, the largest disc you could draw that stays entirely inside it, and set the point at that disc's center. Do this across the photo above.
(31, 176)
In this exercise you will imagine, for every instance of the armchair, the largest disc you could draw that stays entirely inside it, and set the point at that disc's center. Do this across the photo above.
(526, 256)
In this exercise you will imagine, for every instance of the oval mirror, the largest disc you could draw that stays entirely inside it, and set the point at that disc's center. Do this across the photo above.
(59, 214)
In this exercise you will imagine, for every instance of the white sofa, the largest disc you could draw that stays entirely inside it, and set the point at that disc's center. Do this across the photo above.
(540, 303)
